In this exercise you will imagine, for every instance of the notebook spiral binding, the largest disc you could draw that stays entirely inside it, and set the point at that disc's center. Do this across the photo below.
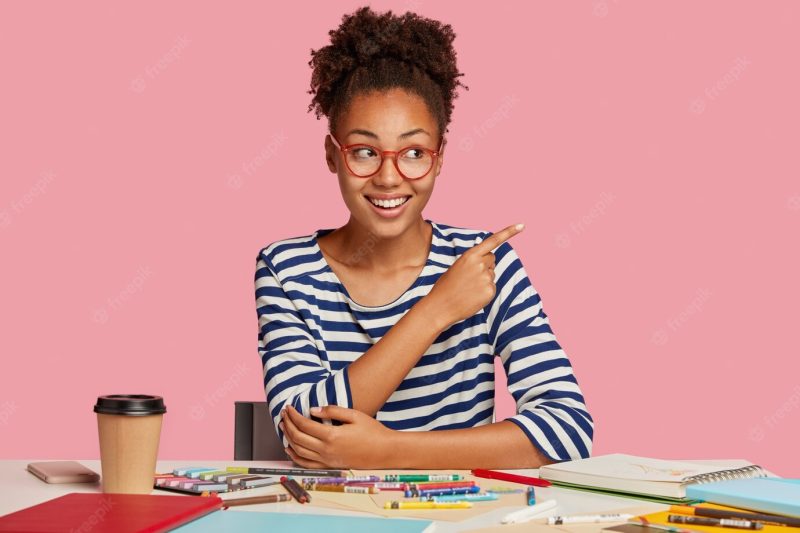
(745, 472)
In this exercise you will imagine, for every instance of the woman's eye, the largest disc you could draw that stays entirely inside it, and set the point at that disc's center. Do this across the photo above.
(363, 152)
(414, 153)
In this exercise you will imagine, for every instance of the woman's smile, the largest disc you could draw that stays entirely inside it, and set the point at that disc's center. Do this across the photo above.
(391, 208)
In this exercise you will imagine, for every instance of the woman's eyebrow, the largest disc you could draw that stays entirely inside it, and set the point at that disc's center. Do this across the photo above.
(401, 136)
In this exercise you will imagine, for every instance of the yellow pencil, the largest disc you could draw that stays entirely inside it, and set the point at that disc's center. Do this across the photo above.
(426, 505)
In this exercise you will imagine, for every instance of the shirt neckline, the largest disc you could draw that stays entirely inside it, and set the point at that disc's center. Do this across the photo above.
(327, 268)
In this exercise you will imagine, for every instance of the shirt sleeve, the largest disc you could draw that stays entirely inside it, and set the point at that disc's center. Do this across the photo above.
(294, 372)
(550, 406)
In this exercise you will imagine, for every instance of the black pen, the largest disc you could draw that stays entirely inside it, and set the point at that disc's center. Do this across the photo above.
(286, 471)
(736, 523)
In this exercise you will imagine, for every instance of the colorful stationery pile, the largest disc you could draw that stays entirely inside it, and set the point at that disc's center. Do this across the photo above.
(398, 494)
(419, 491)
(203, 480)
(446, 495)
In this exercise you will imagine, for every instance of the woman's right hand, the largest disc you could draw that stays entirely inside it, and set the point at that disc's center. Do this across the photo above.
(468, 285)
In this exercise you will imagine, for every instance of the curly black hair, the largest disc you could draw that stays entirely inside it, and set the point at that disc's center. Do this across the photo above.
(371, 51)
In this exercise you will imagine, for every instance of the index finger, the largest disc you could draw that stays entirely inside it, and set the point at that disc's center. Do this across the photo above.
(496, 239)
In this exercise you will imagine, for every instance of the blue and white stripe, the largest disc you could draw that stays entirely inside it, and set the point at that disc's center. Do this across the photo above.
(310, 330)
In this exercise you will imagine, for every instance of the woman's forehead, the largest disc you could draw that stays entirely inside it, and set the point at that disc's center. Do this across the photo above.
(389, 115)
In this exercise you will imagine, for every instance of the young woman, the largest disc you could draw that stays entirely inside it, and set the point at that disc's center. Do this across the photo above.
(374, 334)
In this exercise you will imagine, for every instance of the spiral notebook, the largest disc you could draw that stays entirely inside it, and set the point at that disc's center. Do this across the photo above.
(643, 477)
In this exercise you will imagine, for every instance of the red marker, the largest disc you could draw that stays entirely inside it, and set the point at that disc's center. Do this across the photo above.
(515, 478)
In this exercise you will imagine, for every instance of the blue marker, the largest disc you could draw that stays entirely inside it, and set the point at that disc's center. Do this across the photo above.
(531, 496)
(443, 492)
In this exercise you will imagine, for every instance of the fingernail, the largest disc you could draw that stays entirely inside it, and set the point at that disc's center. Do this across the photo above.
(520, 226)
(315, 411)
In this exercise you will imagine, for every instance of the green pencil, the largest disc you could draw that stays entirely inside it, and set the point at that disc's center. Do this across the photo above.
(408, 478)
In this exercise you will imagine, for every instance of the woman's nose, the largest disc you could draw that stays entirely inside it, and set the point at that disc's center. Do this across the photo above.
(388, 175)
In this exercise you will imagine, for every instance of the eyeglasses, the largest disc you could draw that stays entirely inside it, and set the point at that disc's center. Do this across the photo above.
(412, 162)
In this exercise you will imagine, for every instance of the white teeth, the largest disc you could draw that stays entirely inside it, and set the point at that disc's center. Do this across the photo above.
(389, 203)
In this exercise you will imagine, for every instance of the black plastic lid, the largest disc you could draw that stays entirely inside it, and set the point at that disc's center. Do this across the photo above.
(130, 404)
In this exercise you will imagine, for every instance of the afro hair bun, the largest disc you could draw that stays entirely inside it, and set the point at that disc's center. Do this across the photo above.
(379, 51)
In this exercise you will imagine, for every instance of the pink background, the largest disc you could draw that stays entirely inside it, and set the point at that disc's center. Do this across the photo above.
(149, 152)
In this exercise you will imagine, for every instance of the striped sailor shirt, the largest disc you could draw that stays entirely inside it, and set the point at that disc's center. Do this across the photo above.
(310, 330)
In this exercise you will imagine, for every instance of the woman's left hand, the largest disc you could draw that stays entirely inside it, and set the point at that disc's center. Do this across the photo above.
(359, 442)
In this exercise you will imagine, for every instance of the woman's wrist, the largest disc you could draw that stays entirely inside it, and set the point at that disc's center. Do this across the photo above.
(400, 450)
(434, 316)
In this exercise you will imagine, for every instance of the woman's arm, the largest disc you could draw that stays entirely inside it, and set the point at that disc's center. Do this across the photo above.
(466, 287)
(379, 371)
(551, 409)
(363, 442)
(498, 445)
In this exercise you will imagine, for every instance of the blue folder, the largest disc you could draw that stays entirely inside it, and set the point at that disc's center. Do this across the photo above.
(256, 521)
(766, 495)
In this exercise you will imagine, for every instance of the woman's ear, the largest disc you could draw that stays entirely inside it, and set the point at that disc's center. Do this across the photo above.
(440, 158)
(330, 154)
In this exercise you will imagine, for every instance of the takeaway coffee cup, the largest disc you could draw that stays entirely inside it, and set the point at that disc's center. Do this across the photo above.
(129, 426)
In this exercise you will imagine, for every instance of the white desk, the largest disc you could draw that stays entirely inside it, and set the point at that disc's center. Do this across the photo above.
(19, 489)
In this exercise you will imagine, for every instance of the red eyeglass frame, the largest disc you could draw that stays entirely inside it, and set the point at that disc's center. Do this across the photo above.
(383, 153)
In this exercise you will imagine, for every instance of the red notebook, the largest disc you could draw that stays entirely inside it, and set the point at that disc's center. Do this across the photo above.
(109, 513)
